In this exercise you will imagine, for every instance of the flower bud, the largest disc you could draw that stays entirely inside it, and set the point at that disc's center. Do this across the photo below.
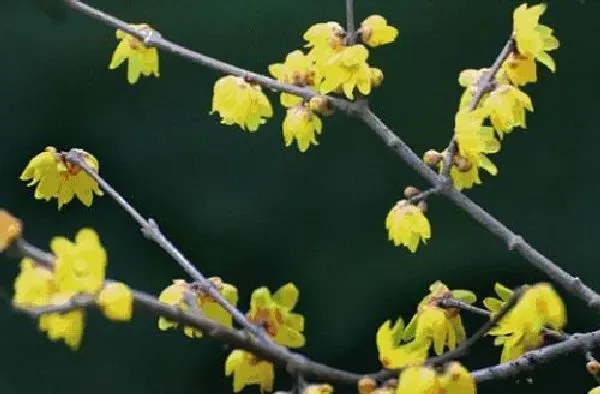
(593, 367)
(319, 104)
(10, 229)
(461, 163)
(432, 158)
(410, 191)
(366, 385)
(376, 76)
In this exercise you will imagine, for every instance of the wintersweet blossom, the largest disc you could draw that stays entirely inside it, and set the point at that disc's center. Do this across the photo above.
(506, 105)
(375, 31)
(407, 225)
(116, 301)
(521, 329)
(520, 69)
(325, 39)
(180, 293)
(393, 352)
(347, 70)
(532, 38)
(247, 370)
(299, 70)
(433, 324)
(274, 314)
(239, 102)
(465, 171)
(454, 379)
(142, 60)
(56, 178)
(302, 125)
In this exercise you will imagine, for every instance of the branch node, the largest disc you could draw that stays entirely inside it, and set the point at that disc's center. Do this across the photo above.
(515, 240)
(150, 229)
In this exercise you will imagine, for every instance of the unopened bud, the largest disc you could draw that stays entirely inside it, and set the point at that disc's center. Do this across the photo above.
(392, 383)
(593, 367)
(462, 164)
(410, 191)
(432, 158)
(10, 229)
(318, 389)
(422, 205)
(319, 104)
(366, 385)
(376, 76)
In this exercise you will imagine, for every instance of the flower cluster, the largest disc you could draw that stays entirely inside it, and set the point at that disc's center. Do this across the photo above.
(521, 329)
(424, 380)
(407, 225)
(503, 104)
(399, 346)
(78, 270)
(54, 177)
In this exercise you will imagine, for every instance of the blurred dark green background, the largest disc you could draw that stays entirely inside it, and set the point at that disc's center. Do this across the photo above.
(243, 207)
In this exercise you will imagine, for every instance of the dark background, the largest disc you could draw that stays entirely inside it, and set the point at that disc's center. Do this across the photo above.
(243, 207)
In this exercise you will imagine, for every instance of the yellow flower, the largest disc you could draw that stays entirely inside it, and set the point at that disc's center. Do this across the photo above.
(520, 69)
(467, 175)
(56, 178)
(116, 301)
(393, 354)
(595, 390)
(10, 229)
(407, 225)
(33, 286)
(521, 329)
(375, 31)
(456, 379)
(274, 314)
(472, 137)
(142, 60)
(506, 105)
(299, 70)
(533, 39)
(303, 125)
(241, 103)
(347, 70)
(434, 324)
(325, 39)
(175, 294)
(248, 370)
(80, 266)
(67, 326)
(318, 389)
(418, 380)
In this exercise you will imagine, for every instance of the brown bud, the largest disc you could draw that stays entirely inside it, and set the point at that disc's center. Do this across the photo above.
(10, 229)
(410, 191)
(461, 163)
(366, 385)
(391, 383)
(593, 367)
(422, 205)
(319, 104)
(432, 158)
(318, 389)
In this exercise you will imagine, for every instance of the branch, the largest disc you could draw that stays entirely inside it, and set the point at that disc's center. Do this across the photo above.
(151, 230)
(530, 360)
(350, 31)
(155, 39)
(484, 85)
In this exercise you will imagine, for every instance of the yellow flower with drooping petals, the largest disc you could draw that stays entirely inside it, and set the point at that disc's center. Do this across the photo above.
(66, 326)
(521, 329)
(418, 380)
(375, 31)
(142, 60)
(531, 38)
(407, 225)
(56, 178)
(33, 286)
(11, 229)
(116, 301)
(274, 314)
(80, 265)
(325, 39)
(506, 105)
(239, 102)
(299, 70)
(467, 175)
(520, 69)
(175, 294)
(346, 71)
(433, 324)
(595, 390)
(456, 379)
(302, 125)
(470, 134)
(247, 370)
(392, 353)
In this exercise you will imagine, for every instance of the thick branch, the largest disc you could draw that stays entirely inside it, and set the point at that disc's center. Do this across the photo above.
(350, 30)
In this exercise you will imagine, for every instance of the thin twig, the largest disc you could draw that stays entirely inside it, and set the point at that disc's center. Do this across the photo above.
(484, 84)
(155, 39)
(151, 230)
(350, 30)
